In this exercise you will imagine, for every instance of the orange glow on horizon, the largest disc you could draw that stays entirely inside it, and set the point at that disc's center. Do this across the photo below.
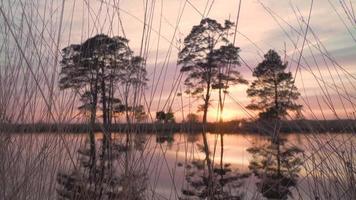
(228, 114)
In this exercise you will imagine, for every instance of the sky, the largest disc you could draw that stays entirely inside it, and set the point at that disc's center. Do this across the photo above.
(325, 75)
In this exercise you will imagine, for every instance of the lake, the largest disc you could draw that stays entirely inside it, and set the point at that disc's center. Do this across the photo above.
(31, 162)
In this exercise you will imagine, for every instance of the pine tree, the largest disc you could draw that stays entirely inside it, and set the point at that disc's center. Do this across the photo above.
(209, 60)
(274, 95)
(165, 116)
(274, 92)
(132, 78)
(94, 69)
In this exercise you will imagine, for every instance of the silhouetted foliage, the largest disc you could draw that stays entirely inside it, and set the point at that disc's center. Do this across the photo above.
(226, 182)
(86, 182)
(192, 118)
(94, 69)
(209, 60)
(117, 109)
(132, 79)
(165, 137)
(139, 113)
(105, 182)
(274, 92)
(275, 179)
(87, 104)
(165, 116)
(160, 115)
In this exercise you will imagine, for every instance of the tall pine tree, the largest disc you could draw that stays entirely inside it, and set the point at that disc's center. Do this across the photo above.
(209, 60)
(274, 92)
(274, 95)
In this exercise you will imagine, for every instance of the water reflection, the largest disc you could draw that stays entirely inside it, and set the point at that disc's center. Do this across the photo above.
(162, 171)
(277, 167)
(226, 180)
(162, 138)
(114, 175)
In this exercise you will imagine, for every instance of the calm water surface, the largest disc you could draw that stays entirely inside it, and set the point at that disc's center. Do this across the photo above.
(33, 160)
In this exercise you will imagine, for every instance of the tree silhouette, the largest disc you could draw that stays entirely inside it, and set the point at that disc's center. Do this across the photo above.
(205, 58)
(85, 183)
(97, 66)
(89, 67)
(274, 92)
(93, 69)
(226, 182)
(206, 53)
(192, 118)
(165, 116)
(117, 109)
(274, 95)
(139, 113)
(87, 102)
(277, 166)
(132, 77)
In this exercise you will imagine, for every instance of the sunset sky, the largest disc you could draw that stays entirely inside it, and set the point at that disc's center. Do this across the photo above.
(327, 87)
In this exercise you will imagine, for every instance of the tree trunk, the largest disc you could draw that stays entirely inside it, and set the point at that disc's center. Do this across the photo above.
(205, 140)
(276, 139)
(107, 135)
(221, 103)
(106, 131)
(206, 103)
(104, 103)
(278, 158)
(276, 102)
(94, 92)
(102, 169)
(110, 101)
(128, 121)
(221, 151)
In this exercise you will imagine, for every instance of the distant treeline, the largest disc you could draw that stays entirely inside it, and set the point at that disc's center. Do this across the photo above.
(293, 126)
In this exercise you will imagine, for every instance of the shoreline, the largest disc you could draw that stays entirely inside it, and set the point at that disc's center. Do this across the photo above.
(295, 126)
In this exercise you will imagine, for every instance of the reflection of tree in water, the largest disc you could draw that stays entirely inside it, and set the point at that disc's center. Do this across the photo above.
(226, 181)
(193, 137)
(277, 167)
(139, 141)
(166, 137)
(133, 176)
(102, 181)
(87, 181)
(97, 69)
(275, 96)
